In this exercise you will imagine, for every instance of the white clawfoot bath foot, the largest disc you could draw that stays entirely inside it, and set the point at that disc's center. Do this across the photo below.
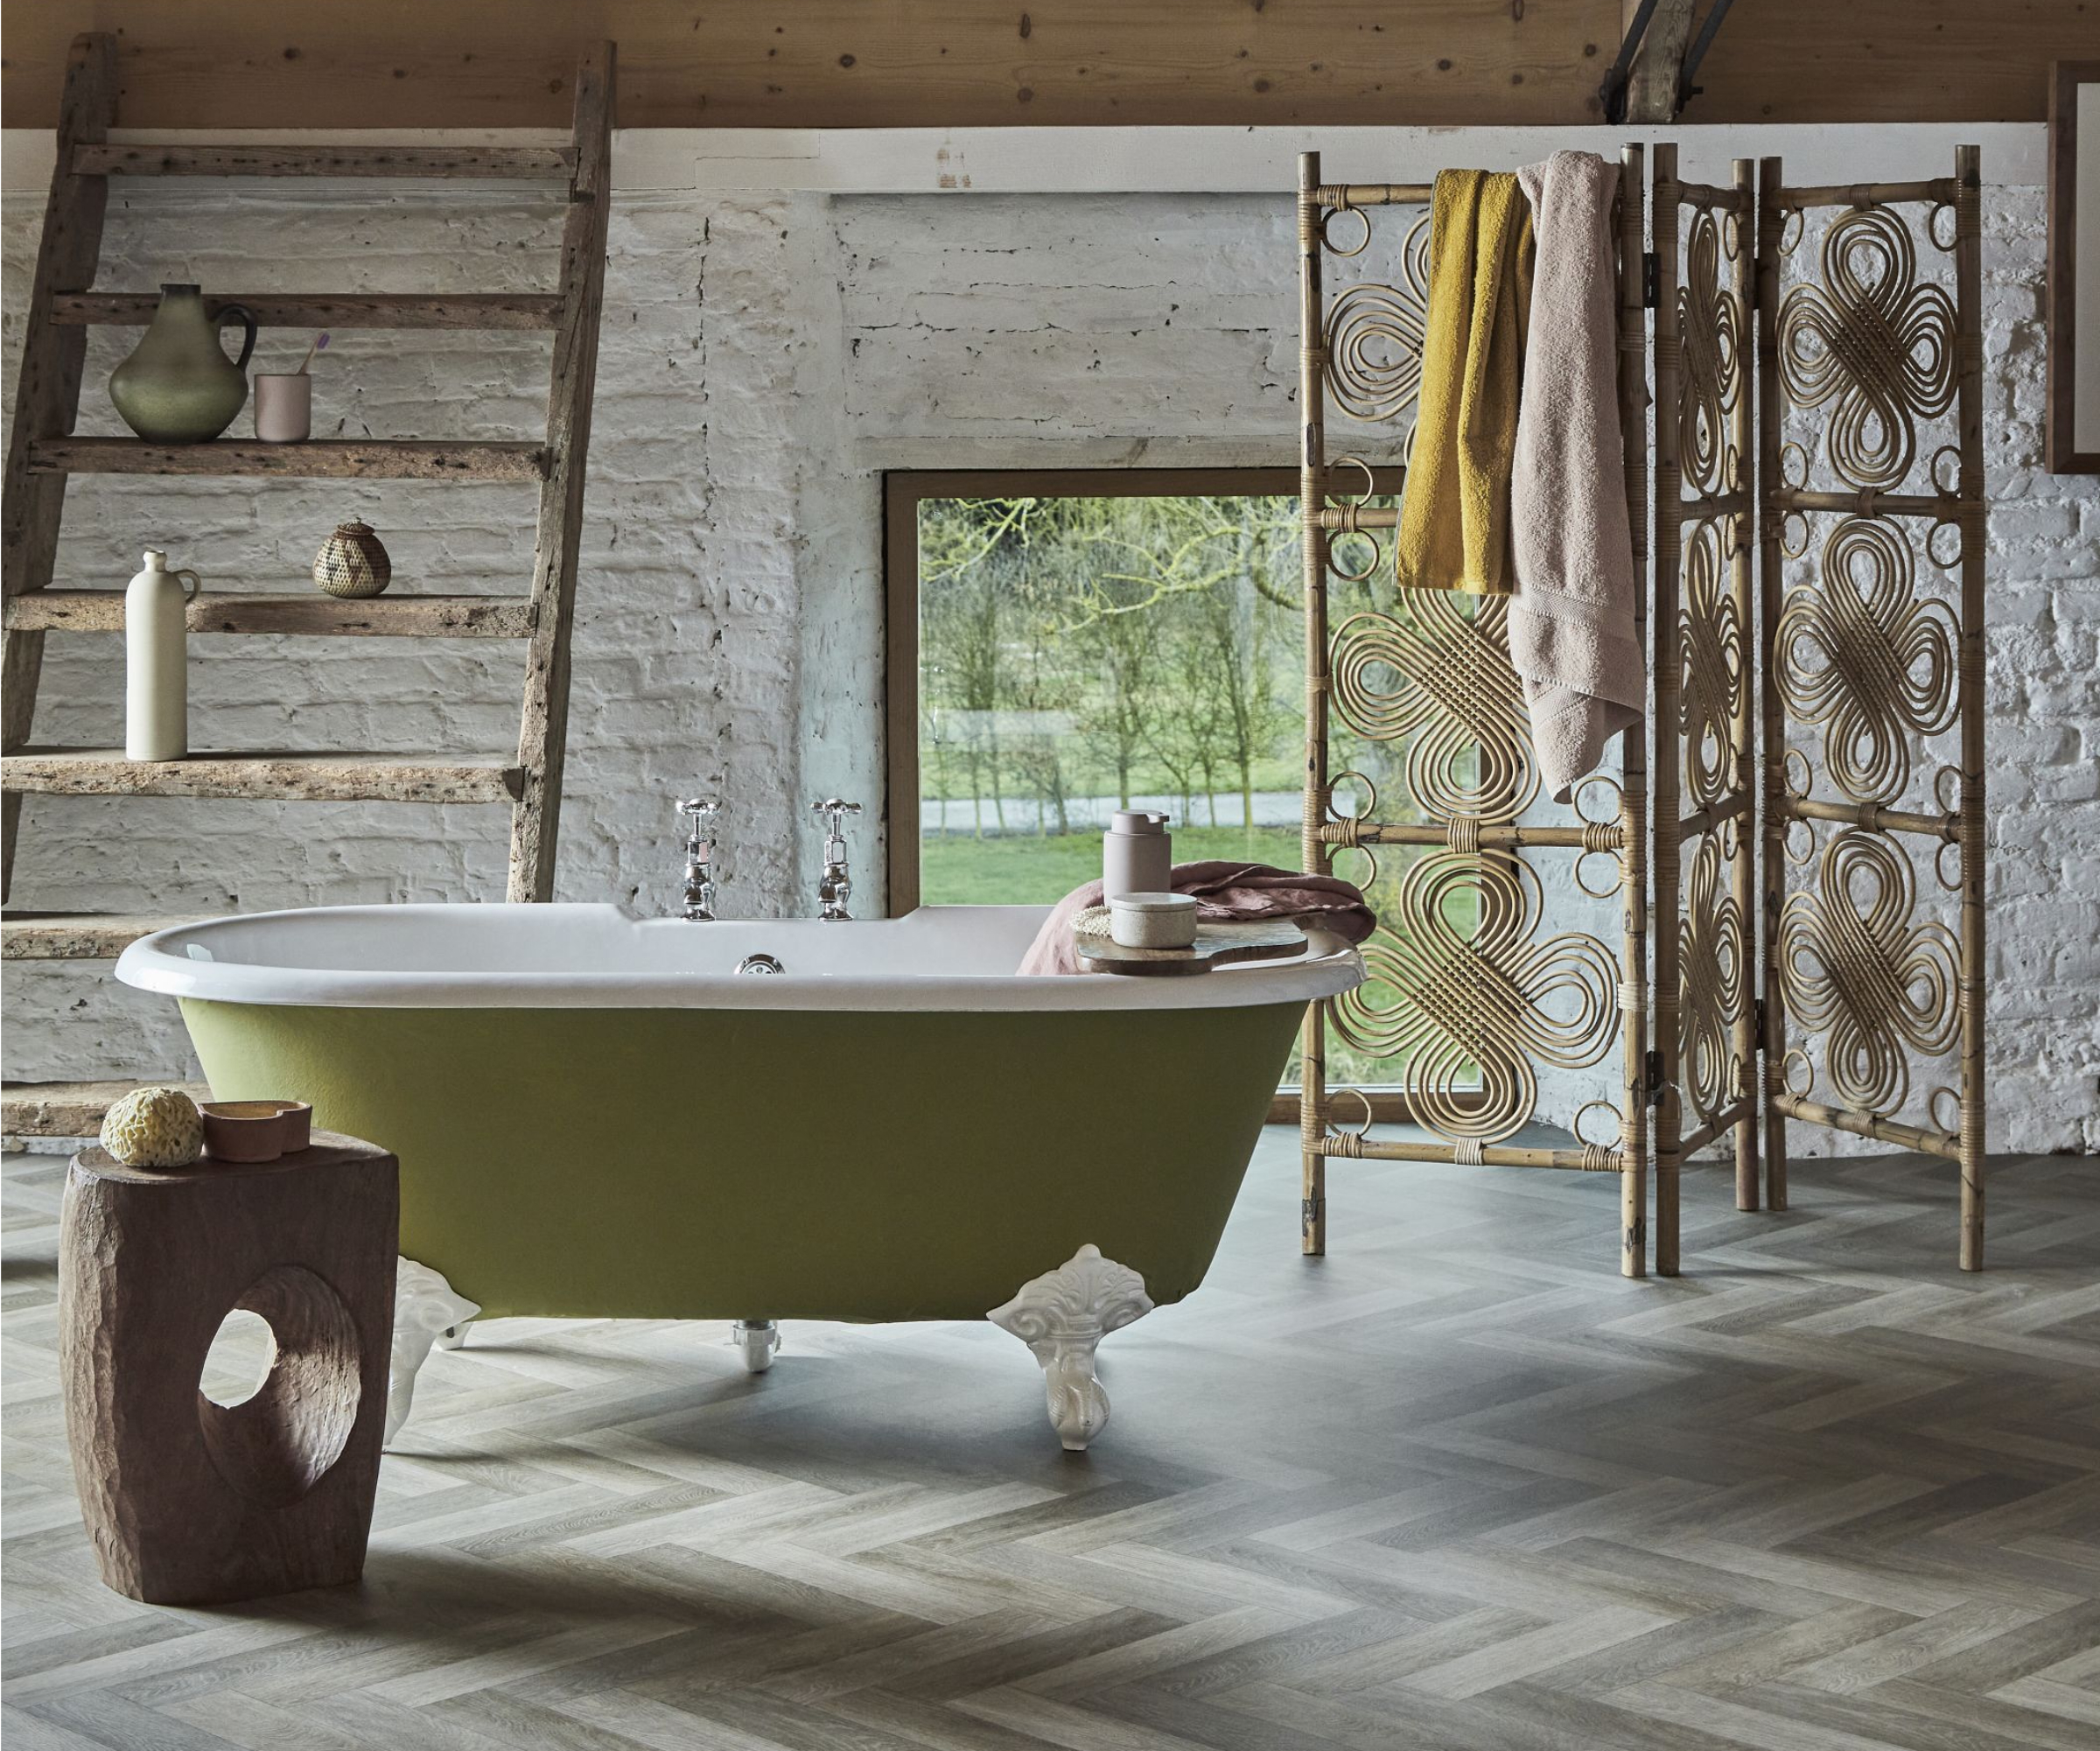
(453, 1337)
(757, 1340)
(426, 1309)
(1061, 1316)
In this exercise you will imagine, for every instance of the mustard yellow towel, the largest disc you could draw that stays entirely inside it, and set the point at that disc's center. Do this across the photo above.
(1454, 506)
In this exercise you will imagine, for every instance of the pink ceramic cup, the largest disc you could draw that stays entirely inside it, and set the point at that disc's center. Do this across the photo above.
(283, 406)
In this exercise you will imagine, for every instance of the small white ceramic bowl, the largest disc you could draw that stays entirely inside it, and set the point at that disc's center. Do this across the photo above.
(1153, 921)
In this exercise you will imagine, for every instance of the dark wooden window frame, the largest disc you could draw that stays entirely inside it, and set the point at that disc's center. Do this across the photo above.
(2063, 456)
(902, 492)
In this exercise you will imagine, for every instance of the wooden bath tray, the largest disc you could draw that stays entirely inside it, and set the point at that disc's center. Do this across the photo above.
(1217, 945)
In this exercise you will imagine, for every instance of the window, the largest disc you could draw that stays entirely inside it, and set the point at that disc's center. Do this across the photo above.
(1090, 642)
(1062, 645)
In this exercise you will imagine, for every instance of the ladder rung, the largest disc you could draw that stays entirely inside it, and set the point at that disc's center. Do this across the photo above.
(77, 935)
(399, 459)
(511, 164)
(279, 777)
(330, 310)
(313, 614)
(71, 1108)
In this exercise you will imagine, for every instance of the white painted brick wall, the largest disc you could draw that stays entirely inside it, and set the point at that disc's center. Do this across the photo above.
(764, 360)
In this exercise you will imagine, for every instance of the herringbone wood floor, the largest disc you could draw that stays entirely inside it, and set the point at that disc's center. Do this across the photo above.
(1458, 1485)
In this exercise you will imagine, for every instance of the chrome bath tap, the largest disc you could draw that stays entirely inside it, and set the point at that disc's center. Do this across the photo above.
(699, 816)
(835, 886)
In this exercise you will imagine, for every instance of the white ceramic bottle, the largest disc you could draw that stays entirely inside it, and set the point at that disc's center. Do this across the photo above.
(1137, 854)
(157, 698)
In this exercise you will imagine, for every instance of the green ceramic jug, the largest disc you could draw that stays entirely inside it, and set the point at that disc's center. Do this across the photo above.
(179, 387)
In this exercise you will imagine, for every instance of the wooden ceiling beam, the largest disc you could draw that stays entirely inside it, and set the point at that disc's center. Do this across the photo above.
(1651, 93)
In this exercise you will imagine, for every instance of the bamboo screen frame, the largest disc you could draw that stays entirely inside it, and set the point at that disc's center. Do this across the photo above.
(1475, 999)
(1847, 326)
(1706, 763)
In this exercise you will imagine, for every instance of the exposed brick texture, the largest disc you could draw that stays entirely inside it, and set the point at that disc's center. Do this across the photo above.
(764, 360)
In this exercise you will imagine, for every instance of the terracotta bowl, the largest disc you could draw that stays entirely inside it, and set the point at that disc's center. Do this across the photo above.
(255, 1130)
(297, 1119)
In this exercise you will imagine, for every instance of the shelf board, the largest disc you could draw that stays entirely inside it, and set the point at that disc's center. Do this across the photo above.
(399, 459)
(278, 777)
(311, 615)
(77, 935)
(326, 310)
(71, 1108)
(508, 164)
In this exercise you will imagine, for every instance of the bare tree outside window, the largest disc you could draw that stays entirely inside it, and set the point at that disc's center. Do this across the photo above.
(1085, 648)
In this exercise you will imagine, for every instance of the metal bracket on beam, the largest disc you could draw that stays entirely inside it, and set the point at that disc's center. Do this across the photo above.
(1618, 79)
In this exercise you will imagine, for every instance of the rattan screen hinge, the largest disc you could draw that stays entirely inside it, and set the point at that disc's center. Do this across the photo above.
(1651, 278)
(1655, 1079)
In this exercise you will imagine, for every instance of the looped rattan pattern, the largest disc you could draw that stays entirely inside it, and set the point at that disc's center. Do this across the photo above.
(1370, 795)
(1714, 670)
(1872, 340)
(1617, 792)
(1933, 1097)
(1327, 234)
(1854, 965)
(1374, 355)
(1618, 1123)
(1618, 867)
(1943, 561)
(1866, 659)
(1368, 569)
(1355, 501)
(1711, 323)
(1460, 984)
(1452, 693)
(1712, 969)
(1335, 1127)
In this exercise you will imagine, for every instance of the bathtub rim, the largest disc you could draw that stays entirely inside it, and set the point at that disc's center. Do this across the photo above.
(158, 963)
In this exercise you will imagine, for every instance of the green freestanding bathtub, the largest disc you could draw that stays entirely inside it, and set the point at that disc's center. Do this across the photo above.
(597, 1115)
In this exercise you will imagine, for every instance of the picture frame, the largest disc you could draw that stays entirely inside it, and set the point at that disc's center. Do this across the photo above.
(2071, 424)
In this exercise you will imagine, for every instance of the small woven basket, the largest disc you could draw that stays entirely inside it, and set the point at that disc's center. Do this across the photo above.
(352, 562)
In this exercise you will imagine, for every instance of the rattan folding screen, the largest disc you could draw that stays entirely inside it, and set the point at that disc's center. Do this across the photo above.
(1468, 993)
(1851, 659)
(1871, 562)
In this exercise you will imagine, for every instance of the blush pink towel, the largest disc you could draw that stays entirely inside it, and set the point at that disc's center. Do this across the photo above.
(1572, 632)
(1226, 892)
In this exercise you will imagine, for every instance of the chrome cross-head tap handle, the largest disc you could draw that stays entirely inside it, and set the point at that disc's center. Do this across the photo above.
(698, 814)
(835, 886)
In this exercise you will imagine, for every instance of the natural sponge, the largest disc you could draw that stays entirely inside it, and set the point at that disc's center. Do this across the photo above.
(154, 1128)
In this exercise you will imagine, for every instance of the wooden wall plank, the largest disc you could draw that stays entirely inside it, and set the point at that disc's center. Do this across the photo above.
(969, 63)
(826, 63)
(1890, 60)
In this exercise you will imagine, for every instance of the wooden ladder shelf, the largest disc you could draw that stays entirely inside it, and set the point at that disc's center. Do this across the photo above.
(42, 453)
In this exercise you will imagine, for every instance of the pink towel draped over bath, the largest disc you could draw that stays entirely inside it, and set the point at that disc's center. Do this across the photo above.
(1226, 892)
(1572, 634)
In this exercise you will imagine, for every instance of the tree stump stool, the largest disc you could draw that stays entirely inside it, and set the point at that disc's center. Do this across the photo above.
(190, 1503)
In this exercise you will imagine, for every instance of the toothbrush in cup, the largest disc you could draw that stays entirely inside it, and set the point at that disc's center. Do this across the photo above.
(284, 400)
